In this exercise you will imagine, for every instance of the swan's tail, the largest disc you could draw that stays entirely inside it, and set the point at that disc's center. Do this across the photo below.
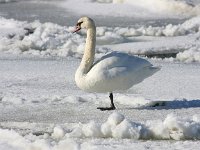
(149, 71)
(145, 73)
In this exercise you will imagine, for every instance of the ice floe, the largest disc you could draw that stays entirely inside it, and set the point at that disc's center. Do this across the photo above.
(50, 39)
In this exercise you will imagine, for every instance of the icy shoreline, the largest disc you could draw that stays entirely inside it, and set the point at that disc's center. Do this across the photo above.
(64, 136)
(50, 39)
(42, 108)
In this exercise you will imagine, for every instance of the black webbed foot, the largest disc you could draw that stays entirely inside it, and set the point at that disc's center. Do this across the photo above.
(112, 105)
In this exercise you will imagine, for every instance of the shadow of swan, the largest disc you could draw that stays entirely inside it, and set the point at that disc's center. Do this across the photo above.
(175, 104)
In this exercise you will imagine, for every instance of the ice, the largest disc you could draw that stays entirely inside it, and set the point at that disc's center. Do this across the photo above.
(67, 144)
(127, 130)
(50, 39)
(191, 55)
(58, 132)
(11, 28)
(12, 139)
(115, 119)
(136, 9)
(42, 108)
(111, 129)
(91, 129)
(12, 100)
(171, 128)
(168, 7)
(7, 1)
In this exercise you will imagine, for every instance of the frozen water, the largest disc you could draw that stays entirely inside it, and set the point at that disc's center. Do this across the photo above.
(7, 1)
(171, 127)
(42, 108)
(54, 40)
(118, 127)
(137, 9)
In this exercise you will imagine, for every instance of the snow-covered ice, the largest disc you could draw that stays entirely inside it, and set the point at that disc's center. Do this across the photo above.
(137, 9)
(7, 1)
(54, 40)
(42, 108)
(116, 127)
(45, 109)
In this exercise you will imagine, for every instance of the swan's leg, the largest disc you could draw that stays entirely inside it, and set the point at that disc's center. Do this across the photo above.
(112, 105)
(111, 99)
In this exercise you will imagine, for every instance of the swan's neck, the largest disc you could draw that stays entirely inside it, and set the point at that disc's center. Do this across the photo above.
(89, 51)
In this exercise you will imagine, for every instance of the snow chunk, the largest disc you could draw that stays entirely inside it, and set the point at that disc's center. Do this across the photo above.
(191, 55)
(91, 129)
(11, 28)
(115, 118)
(118, 127)
(58, 132)
(38, 39)
(12, 100)
(11, 140)
(127, 129)
(51, 39)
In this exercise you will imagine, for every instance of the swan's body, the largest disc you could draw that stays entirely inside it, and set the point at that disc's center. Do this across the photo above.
(113, 72)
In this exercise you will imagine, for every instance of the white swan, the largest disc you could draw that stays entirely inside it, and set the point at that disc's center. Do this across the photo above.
(113, 72)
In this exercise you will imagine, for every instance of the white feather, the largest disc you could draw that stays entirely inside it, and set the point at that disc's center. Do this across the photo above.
(115, 71)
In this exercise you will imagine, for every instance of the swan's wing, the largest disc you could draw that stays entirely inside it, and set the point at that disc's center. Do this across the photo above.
(117, 64)
(118, 59)
(117, 71)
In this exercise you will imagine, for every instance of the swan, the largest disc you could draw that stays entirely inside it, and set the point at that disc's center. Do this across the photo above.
(115, 71)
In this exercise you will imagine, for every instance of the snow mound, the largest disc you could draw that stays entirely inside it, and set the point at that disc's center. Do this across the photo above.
(58, 132)
(38, 39)
(11, 140)
(12, 100)
(10, 28)
(50, 39)
(188, 27)
(66, 136)
(117, 126)
(191, 55)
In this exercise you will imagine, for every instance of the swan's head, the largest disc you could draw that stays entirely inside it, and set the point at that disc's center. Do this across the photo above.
(84, 23)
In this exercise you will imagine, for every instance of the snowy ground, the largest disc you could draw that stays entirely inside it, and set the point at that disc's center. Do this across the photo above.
(42, 108)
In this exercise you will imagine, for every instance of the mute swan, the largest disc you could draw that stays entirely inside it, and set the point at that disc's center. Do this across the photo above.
(115, 71)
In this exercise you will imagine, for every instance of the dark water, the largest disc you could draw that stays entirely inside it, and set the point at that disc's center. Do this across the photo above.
(48, 12)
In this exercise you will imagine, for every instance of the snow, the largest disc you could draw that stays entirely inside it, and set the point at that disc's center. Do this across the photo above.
(58, 132)
(7, 1)
(50, 39)
(191, 55)
(116, 126)
(12, 100)
(119, 127)
(42, 108)
(137, 9)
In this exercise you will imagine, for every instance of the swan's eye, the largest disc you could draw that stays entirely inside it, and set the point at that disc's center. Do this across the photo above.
(79, 23)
